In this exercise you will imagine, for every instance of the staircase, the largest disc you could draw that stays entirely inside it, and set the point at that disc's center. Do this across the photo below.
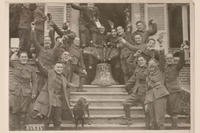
(106, 110)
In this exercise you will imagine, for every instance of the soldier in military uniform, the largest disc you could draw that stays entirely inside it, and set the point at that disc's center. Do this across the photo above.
(89, 23)
(39, 19)
(141, 29)
(23, 92)
(45, 54)
(66, 59)
(54, 100)
(136, 87)
(78, 65)
(147, 49)
(67, 35)
(26, 17)
(171, 74)
(156, 96)
(113, 40)
(125, 52)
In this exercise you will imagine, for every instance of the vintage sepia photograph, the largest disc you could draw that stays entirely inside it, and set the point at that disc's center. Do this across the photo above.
(99, 66)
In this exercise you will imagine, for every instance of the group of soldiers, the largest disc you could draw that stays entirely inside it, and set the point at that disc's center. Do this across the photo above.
(46, 78)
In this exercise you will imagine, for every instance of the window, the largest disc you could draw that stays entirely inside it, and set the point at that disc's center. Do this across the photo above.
(175, 25)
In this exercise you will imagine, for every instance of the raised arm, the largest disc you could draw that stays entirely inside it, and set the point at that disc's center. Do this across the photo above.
(161, 60)
(56, 28)
(39, 17)
(81, 62)
(76, 7)
(128, 45)
(152, 28)
(130, 84)
(34, 84)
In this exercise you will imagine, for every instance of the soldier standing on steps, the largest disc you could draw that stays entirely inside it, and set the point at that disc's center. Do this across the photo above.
(56, 98)
(39, 19)
(171, 73)
(89, 23)
(78, 65)
(136, 87)
(156, 96)
(124, 52)
(113, 40)
(23, 92)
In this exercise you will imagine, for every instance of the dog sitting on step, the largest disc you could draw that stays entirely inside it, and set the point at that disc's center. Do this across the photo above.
(79, 111)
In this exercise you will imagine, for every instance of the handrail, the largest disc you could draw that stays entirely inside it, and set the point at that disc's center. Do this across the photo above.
(184, 89)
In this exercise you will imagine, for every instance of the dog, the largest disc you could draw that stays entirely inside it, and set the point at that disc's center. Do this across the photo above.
(79, 111)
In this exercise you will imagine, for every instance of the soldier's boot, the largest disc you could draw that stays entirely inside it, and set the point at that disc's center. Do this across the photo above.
(127, 116)
(23, 122)
(15, 122)
(57, 127)
(147, 120)
(46, 122)
(174, 122)
(160, 126)
(126, 78)
(81, 83)
(57, 124)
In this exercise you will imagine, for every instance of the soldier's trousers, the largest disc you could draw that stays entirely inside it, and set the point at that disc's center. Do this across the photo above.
(157, 111)
(24, 40)
(173, 108)
(87, 34)
(116, 70)
(84, 36)
(76, 69)
(134, 100)
(20, 108)
(55, 116)
(90, 64)
(52, 37)
(125, 69)
(40, 36)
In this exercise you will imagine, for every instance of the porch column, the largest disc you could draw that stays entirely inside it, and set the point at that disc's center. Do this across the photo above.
(185, 22)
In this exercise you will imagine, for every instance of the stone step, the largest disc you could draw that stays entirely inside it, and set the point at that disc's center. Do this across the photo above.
(134, 126)
(117, 119)
(114, 110)
(99, 95)
(113, 88)
(102, 102)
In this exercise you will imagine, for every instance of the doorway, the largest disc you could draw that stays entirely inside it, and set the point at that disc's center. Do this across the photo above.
(113, 12)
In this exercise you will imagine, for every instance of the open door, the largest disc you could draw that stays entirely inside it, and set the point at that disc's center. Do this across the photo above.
(113, 12)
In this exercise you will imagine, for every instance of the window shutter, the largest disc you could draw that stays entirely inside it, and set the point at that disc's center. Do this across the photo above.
(158, 12)
(58, 12)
